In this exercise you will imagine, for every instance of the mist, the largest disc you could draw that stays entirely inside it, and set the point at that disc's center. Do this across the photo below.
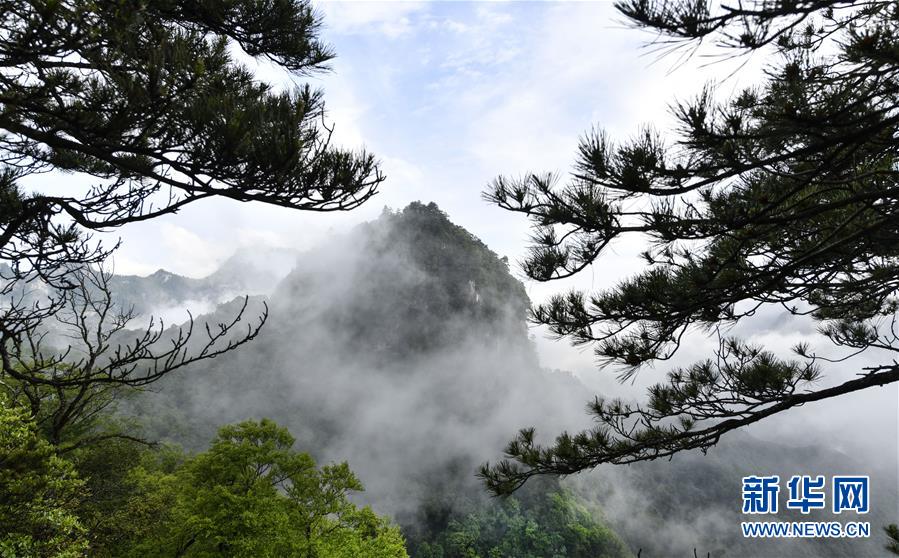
(402, 347)
(358, 364)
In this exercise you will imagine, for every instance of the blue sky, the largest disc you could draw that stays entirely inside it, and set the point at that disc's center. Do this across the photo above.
(447, 95)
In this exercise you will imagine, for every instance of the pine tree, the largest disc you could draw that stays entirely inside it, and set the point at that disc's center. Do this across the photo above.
(785, 193)
(150, 102)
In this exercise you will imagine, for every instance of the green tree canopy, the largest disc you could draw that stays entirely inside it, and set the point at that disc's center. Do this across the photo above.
(251, 494)
(548, 524)
(39, 493)
(785, 193)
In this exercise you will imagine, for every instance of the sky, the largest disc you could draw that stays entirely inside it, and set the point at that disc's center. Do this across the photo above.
(450, 95)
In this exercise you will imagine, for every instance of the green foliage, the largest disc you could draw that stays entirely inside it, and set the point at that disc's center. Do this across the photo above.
(365, 535)
(39, 493)
(251, 494)
(552, 524)
(108, 468)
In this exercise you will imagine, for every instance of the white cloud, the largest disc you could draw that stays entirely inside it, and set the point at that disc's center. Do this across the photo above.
(124, 265)
(390, 19)
(249, 237)
(190, 251)
(345, 114)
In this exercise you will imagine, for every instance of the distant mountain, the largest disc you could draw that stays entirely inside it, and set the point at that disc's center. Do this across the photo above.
(248, 272)
(256, 270)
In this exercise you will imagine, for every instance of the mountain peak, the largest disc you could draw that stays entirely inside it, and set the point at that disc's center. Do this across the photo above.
(426, 281)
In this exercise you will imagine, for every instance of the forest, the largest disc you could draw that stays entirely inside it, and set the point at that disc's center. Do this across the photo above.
(384, 388)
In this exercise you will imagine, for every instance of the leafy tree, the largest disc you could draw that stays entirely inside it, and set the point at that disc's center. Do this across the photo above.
(39, 493)
(150, 104)
(785, 193)
(107, 469)
(364, 535)
(251, 494)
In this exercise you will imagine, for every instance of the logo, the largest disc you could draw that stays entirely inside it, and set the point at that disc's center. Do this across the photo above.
(806, 493)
